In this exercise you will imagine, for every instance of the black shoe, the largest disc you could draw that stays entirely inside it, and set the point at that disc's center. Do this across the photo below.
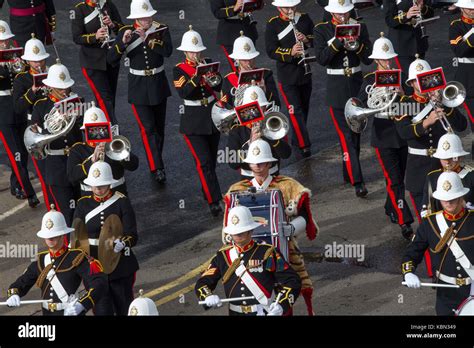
(361, 190)
(407, 232)
(215, 208)
(33, 201)
(18, 193)
(160, 176)
(306, 152)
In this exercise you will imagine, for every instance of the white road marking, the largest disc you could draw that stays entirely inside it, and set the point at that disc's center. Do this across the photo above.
(17, 208)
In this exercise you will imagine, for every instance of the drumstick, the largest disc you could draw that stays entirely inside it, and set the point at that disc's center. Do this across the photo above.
(231, 299)
(435, 285)
(30, 302)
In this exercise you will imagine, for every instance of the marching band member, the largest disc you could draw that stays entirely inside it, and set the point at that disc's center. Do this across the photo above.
(59, 272)
(461, 40)
(25, 95)
(343, 82)
(248, 268)
(286, 43)
(327, 16)
(60, 190)
(12, 125)
(231, 22)
(407, 39)
(244, 54)
(422, 132)
(241, 136)
(390, 149)
(196, 125)
(447, 234)
(449, 153)
(93, 23)
(84, 154)
(146, 43)
(32, 16)
(99, 212)
(296, 198)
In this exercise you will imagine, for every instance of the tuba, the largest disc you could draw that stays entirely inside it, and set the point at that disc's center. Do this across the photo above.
(379, 100)
(57, 124)
(119, 148)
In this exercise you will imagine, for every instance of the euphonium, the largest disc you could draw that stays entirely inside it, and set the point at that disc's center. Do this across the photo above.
(119, 148)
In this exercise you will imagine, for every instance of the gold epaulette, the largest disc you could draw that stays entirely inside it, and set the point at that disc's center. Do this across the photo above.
(229, 74)
(269, 251)
(157, 23)
(404, 97)
(43, 252)
(456, 20)
(20, 73)
(126, 27)
(434, 171)
(399, 118)
(320, 24)
(468, 167)
(120, 194)
(367, 75)
(225, 247)
(40, 100)
(83, 197)
(271, 19)
(433, 213)
(81, 3)
(78, 143)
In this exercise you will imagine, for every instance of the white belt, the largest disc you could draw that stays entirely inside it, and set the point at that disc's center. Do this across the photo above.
(58, 152)
(53, 307)
(6, 92)
(94, 241)
(200, 102)
(119, 182)
(244, 309)
(238, 16)
(147, 72)
(346, 71)
(421, 152)
(453, 280)
(466, 60)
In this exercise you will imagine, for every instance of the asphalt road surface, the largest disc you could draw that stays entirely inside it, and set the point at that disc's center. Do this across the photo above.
(176, 240)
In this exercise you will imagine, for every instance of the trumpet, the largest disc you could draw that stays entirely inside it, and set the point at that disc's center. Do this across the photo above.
(452, 96)
(351, 43)
(307, 67)
(211, 79)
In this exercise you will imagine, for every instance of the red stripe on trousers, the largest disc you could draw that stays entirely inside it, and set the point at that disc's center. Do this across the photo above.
(295, 124)
(43, 185)
(398, 63)
(146, 144)
(12, 161)
(427, 253)
(391, 194)
(344, 146)
(468, 112)
(58, 208)
(231, 62)
(96, 93)
(199, 169)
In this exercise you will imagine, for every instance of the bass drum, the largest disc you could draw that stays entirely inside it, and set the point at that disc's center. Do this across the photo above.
(466, 307)
(268, 209)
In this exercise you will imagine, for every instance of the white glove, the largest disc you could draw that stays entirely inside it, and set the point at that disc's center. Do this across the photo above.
(275, 309)
(13, 301)
(119, 245)
(412, 281)
(213, 301)
(74, 309)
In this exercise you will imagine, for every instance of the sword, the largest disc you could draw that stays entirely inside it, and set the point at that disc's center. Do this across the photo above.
(231, 299)
(434, 285)
(30, 302)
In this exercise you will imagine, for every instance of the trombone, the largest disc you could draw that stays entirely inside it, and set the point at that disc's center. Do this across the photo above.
(452, 96)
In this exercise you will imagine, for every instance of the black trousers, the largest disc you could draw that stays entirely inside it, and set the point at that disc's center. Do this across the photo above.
(297, 100)
(151, 120)
(350, 146)
(12, 139)
(393, 162)
(469, 107)
(204, 150)
(64, 198)
(104, 87)
(118, 298)
(448, 300)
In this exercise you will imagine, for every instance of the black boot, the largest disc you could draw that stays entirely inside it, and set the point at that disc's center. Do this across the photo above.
(361, 190)
(160, 176)
(407, 232)
(215, 208)
(18, 193)
(33, 201)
